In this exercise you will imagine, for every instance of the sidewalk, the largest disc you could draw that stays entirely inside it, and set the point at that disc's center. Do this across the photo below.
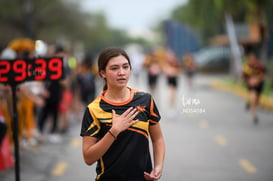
(265, 101)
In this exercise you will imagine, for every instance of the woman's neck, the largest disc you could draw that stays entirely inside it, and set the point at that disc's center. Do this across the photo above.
(117, 95)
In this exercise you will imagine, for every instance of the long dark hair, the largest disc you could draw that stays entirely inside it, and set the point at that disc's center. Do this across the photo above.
(106, 55)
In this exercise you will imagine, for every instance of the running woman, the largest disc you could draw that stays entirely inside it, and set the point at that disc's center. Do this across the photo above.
(117, 126)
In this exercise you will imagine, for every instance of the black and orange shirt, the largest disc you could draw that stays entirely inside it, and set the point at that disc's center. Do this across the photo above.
(129, 156)
(254, 69)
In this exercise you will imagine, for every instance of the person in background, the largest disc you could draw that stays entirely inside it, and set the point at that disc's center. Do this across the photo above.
(27, 98)
(51, 107)
(64, 107)
(6, 157)
(6, 95)
(86, 79)
(190, 68)
(28, 94)
(117, 125)
(254, 76)
(171, 69)
(153, 66)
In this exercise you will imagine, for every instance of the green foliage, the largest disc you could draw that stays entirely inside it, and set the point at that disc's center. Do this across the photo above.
(208, 16)
(55, 20)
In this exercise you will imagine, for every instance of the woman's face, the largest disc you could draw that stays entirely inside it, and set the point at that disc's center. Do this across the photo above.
(117, 72)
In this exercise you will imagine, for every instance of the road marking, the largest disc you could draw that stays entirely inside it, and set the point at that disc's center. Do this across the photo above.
(247, 166)
(59, 169)
(203, 124)
(76, 142)
(221, 140)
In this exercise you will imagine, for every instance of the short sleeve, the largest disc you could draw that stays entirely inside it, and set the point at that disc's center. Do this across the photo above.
(154, 113)
(90, 126)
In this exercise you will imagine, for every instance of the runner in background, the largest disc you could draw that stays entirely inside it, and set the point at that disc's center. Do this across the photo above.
(189, 67)
(172, 69)
(152, 63)
(254, 76)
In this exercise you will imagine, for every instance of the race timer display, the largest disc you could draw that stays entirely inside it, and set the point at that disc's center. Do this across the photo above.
(20, 70)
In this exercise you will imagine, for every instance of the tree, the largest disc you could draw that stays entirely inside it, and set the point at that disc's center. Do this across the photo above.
(208, 16)
(56, 20)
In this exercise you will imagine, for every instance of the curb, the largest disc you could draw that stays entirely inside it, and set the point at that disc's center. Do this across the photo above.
(265, 101)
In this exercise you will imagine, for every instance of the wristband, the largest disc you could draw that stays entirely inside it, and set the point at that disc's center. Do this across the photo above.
(112, 135)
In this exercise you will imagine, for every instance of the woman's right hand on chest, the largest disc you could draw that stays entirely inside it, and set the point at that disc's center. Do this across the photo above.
(123, 121)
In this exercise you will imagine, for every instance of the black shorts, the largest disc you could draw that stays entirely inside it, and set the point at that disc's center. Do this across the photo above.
(172, 81)
(258, 88)
(152, 79)
(190, 74)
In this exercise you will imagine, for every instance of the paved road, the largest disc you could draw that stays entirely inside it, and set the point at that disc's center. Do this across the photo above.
(209, 137)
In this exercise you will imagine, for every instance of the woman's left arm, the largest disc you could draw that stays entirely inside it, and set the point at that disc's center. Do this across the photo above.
(158, 151)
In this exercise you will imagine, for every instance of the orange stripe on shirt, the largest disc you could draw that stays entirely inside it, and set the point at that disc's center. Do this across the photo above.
(140, 132)
(152, 109)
